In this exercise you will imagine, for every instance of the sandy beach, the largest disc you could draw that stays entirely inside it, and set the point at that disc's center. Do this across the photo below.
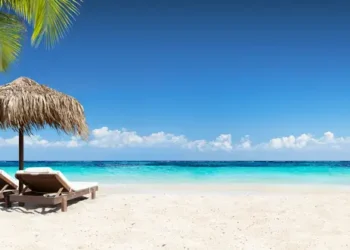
(243, 216)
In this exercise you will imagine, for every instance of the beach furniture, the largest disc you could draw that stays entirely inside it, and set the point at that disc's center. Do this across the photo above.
(7, 184)
(44, 186)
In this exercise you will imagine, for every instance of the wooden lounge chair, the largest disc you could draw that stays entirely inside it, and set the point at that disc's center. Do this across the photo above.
(46, 187)
(7, 184)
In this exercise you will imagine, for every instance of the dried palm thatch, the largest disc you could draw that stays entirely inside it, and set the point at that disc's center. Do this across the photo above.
(26, 105)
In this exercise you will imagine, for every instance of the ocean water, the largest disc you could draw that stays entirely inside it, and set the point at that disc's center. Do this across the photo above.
(122, 172)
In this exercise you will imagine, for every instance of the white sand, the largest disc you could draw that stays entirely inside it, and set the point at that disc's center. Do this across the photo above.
(188, 217)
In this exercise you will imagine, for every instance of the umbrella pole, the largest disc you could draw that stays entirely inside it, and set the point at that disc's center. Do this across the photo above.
(21, 155)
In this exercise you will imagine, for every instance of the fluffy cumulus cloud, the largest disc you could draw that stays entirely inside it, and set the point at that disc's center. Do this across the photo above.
(308, 141)
(245, 143)
(292, 142)
(109, 138)
(106, 138)
(222, 143)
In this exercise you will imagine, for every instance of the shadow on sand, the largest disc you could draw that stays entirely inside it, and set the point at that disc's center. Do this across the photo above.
(37, 209)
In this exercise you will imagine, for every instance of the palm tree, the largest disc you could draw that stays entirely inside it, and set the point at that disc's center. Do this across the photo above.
(49, 19)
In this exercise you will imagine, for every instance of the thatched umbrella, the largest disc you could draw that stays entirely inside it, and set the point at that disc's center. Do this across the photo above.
(26, 105)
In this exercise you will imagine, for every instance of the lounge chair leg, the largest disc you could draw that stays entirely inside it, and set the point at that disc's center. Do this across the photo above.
(93, 194)
(8, 203)
(64, 203)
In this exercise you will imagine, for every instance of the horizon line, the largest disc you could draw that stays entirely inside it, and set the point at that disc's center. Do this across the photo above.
(178, 160)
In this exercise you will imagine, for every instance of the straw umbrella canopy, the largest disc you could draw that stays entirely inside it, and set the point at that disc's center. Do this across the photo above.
(26, 106)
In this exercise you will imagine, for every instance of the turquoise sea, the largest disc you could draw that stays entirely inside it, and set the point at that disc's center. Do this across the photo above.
(116, 172)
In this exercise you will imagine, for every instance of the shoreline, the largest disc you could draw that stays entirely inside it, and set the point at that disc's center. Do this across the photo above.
(222, 187)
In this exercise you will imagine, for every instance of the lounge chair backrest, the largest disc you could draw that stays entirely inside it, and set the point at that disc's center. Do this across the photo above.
(44, 182)
(5, 179)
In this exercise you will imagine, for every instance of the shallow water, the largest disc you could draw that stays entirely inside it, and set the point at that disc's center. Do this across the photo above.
(116, 172)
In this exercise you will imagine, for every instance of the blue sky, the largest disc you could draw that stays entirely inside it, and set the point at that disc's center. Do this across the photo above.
(200, 70)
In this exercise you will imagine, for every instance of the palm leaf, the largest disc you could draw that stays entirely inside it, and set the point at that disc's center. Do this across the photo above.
(20, 7)
(50, 19)
(11, 34)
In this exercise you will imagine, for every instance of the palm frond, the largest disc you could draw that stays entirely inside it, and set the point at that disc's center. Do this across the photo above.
(11, 34)
(22, 8)
(50, 19)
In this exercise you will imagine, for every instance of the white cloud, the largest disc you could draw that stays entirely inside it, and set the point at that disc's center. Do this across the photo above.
(222, 143)
(37, 141)
(245, 143)
(308, 141)
(329, 136)
(28, 140)
(292, 142)
(107, 138)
